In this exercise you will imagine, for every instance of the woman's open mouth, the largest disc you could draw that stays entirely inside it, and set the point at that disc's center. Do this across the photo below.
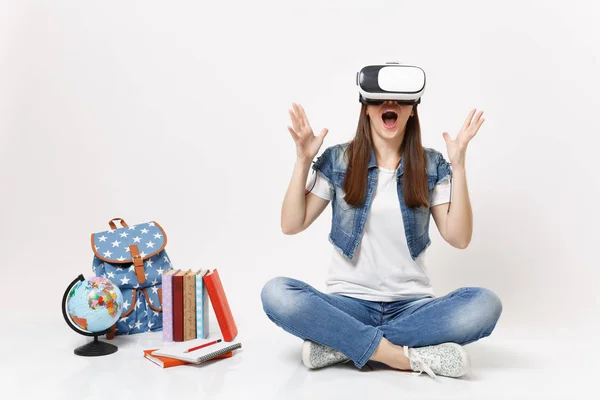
(389, 119)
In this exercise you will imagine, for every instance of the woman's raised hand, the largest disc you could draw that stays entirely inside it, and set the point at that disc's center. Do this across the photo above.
(307, 144)
(457, 147)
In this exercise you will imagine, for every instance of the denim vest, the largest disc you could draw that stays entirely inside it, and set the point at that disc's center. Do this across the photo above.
(348, 222)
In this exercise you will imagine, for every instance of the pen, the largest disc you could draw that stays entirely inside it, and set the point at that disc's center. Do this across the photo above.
(202, 345)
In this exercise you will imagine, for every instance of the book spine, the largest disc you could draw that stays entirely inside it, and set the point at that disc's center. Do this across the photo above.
(206, 303)
(189, 307)
(167, 307)
(220, 304)
(178, 308)
(201, 332)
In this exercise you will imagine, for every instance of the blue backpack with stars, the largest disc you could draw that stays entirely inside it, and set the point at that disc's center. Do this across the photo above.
(134, 258)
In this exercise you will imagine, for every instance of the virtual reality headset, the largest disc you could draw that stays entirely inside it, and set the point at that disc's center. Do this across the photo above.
(402, 83)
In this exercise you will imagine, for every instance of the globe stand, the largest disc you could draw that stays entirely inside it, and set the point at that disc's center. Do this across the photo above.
(92, 349)
(96, 348)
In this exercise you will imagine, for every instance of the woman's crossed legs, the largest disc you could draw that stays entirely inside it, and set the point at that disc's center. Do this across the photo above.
(367, 330)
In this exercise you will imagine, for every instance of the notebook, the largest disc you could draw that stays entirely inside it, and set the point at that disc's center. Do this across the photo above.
(176, 350)
(220, 304)
(163, 362)
(166, 362)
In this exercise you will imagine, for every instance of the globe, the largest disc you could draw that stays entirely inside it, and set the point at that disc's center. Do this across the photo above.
(91, 307)
(95, 304)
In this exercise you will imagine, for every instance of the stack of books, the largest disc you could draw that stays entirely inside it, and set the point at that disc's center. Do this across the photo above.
(185, 312)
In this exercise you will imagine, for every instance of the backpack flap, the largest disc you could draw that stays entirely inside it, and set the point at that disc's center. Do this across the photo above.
(129, 244)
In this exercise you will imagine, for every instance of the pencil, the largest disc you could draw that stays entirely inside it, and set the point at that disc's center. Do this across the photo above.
(202, 346)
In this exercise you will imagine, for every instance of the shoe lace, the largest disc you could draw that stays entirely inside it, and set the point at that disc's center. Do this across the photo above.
(424, 363)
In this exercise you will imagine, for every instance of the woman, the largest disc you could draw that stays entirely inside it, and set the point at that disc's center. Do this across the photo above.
(379, 305)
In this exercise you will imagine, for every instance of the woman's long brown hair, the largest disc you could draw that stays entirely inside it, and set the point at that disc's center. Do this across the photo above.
(414, 181)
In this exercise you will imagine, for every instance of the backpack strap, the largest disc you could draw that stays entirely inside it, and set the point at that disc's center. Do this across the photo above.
(157, 309)
(138, 264)
(132, 306)
(113, 226)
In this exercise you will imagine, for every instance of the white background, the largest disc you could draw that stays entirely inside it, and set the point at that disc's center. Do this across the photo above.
(177, 113)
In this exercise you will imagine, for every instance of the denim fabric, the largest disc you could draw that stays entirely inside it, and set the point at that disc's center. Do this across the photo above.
(355, 327)
(348, 222)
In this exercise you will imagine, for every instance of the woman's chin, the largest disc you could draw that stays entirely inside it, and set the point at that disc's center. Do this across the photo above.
(388, 133)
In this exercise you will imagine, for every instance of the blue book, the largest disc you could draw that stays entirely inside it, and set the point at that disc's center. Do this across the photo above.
(202, 329)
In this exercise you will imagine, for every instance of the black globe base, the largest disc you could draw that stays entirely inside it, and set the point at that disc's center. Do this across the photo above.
(96, 348)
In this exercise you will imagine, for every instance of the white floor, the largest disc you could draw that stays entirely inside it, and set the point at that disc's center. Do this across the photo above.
(42, 365)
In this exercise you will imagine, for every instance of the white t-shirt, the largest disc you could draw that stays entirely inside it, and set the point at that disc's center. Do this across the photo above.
(382, 268)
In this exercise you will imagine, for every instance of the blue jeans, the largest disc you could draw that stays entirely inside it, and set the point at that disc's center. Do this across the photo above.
(355, 327)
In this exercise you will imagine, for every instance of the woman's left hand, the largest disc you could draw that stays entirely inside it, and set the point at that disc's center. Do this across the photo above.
(457, 147)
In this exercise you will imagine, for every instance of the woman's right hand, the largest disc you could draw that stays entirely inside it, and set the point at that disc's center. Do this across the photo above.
(307, 144)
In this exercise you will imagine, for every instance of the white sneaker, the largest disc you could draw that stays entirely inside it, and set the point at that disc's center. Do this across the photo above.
(315, 355)
(446, 359)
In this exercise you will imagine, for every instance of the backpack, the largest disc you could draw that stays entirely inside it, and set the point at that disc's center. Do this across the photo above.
(134, 259)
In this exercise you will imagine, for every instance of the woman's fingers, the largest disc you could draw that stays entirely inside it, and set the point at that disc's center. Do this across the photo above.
(300, 121)
(293, 133)
(303, 127)
(478, 126)
(477, 121)
(292, 118)
(303, 115)
(295, 122)
(478, 117)
(298, 114)
(468, 120)
(300, 126)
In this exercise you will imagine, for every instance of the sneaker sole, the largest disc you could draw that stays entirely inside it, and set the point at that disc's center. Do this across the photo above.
(464, 356)
(306, 350)
(306, 354)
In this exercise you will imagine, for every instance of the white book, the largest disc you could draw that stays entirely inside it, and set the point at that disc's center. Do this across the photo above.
(177, 350)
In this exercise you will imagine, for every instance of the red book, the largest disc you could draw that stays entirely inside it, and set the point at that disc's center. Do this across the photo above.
(178, 306)
(220, 305)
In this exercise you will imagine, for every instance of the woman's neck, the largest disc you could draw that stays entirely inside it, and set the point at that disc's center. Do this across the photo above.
(387, 152)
